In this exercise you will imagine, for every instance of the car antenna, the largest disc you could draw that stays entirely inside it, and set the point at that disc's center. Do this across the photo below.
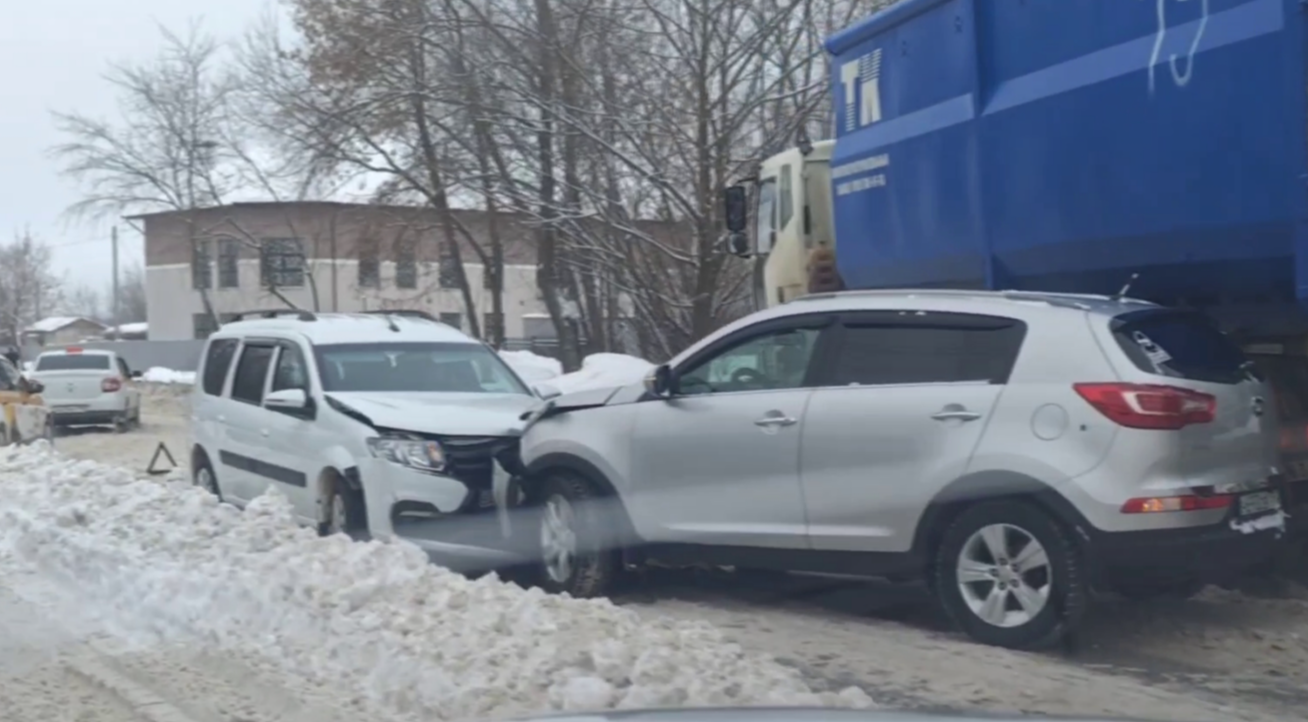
(391, 323)
(1125, 288)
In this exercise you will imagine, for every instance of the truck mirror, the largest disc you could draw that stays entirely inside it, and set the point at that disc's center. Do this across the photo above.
(738, 244)
(736, 203)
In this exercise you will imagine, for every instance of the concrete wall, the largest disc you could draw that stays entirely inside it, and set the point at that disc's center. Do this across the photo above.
(141, 355)
(172, 303)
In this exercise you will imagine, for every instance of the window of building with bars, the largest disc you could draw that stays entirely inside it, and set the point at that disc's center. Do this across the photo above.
(201, 265)
(406, 264)
(369, 264)
(281, 262)
(449, 272)
(229, 263)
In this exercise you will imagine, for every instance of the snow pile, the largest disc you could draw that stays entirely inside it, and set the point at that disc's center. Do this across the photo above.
(604, 369)
(373, 622)
(532, 368)
(161, 375)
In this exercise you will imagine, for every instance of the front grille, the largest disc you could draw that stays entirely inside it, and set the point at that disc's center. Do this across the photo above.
(469, 458)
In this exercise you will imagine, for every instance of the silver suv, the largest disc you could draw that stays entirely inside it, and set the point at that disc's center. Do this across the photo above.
(1015, 450)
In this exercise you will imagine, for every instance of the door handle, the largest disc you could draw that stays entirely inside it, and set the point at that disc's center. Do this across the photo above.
(221, 417)
(263, 432)
(955, 415)
(774, 421)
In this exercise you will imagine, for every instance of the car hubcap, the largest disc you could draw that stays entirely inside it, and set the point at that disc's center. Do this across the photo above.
(558, 539)
(1004, 575)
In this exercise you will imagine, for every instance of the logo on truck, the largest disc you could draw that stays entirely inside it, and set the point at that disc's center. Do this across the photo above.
(1181, 71)
(861, 79)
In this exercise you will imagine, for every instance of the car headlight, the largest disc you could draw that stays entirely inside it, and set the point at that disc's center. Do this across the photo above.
(414, 453)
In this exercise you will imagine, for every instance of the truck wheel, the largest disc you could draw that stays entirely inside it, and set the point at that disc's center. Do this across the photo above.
(346, 513)
(572, 555)
(1009, 575)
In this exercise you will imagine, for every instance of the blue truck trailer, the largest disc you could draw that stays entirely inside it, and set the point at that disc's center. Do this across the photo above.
(1062, 145)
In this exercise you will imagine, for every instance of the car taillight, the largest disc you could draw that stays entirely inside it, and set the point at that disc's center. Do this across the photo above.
(1155, 504)
(1150, 406)
(111, 384)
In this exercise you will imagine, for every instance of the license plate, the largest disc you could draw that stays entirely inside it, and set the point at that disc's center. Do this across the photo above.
(1259, 502)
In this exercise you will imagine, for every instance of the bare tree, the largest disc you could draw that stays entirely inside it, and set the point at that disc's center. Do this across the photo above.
(84, 301)
(29, 289)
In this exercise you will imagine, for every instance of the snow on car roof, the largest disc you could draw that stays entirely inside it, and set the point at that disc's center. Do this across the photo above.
(334, 328)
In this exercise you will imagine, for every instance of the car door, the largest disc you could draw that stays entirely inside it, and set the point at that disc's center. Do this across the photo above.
(897, 419)
(291, 438)
(717, 462)
(131, 389)
(244, 474)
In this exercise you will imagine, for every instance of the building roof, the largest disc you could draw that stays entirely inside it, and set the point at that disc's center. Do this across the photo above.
(54, 323)
(334, 328)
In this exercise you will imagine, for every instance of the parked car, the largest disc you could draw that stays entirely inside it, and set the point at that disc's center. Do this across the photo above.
(89, 387)
(24, 416)
(1015, 450)
(370, 424)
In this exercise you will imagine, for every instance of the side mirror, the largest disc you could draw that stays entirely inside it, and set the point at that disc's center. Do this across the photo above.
(33, 387)
(736, 204)
(292, 400)
(660, 381)
(546, 391)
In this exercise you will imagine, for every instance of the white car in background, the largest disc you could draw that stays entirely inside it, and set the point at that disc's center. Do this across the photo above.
(88, 387)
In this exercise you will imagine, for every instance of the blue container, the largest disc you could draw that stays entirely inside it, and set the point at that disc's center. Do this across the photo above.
(1065, 145)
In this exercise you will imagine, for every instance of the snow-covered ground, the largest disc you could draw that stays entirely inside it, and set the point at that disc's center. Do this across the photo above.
(373, 629)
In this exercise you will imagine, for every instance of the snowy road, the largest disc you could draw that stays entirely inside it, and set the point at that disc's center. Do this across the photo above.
(374, 627)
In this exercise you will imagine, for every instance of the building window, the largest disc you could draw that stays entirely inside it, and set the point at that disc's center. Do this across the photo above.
(449, 272)
(369, 264)
(281, 262)
(201, 267)
(452, 319)
(406, 264)
(229, 263)
(488, 277)
(492, 325)
(203, 325)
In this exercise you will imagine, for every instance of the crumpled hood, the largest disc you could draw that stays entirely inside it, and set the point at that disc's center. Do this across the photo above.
(442, 413)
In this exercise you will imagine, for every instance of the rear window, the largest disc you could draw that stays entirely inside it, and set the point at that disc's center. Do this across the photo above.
(73, 362)
(1181, 346)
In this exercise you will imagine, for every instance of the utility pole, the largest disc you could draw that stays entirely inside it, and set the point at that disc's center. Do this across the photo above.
(113, 309)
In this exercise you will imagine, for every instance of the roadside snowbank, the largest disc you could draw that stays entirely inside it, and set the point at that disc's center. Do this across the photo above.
(532, 368)
(160, 562)
(603, 369)
(161, 375)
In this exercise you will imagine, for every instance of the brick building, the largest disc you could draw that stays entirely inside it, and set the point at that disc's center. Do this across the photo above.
(325, 256)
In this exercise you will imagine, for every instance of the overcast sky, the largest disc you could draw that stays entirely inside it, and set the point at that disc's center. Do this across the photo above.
(53, 54)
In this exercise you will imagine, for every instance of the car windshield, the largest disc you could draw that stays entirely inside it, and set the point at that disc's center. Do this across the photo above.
(415, 367)
(73, 362)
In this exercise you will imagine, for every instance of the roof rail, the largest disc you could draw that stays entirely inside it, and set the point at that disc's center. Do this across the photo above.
(299, 314)
(402, 312)
(1005, 293)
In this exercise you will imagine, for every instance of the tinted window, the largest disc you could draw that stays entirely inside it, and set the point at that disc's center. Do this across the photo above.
(974, 349)
(217, 360)
(415, 367)
(290, 372)
(251, 372)
(1180, 345)
(73, 362)
(777, 360)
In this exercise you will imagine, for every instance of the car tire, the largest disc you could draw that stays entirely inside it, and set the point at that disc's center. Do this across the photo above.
(1143, 591)
(346, 513)
(1020, 597)
(575, 554)
(122, 423)
(204, 477)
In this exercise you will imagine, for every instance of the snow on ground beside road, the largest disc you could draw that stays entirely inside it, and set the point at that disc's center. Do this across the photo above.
(166, 562)
(532, 367)
(161, 375)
